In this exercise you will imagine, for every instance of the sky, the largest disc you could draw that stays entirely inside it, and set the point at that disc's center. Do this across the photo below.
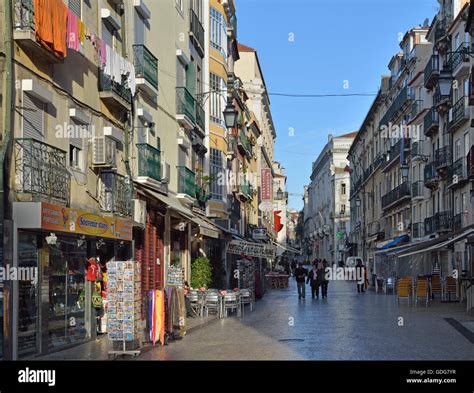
(322, 47)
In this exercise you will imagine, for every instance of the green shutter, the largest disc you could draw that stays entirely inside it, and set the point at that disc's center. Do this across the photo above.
(191, 79)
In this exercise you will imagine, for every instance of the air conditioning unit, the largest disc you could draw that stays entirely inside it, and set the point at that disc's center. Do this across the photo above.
(103, 152)
(165, 172)
(139, 211)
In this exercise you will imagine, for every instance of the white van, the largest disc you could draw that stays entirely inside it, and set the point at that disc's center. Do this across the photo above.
(353, 261)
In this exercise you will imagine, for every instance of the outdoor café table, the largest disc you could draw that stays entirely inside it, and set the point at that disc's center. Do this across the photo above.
(276, 279)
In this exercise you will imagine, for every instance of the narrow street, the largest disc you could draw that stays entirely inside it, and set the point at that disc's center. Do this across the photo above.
(346, 326)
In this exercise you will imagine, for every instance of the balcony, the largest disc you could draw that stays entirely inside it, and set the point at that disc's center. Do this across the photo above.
(417, 151)
(396, 196)
(186, 181)
(149, 162)
(404, 98)
(417, 190)
(442, 157)
(24, 32)
(416, 109)
(470, 163)
(113, 93)
(40, 170)
(439, 99)
(196, 32)
(458, 173)
(146, 70)
(431, 73)
(460, 221)
(200, 118)
(431, 122)
(245, 191)
(458, 114)
(418, 230)
(185, 108)
(459, 60)
(244, 144)
(429, 226)
(431, 177)
(115, 193)
(441, 30)
(442, 221)
(395, 151)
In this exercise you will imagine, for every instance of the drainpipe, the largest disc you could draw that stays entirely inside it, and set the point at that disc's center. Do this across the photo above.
(5, 159)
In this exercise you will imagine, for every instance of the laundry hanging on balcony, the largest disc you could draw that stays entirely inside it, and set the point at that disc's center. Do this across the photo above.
(116, 66)
(72, 30)
(50, 25)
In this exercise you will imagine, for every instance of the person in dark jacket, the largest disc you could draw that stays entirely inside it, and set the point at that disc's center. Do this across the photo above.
(324, 281)
(300, 274)
(314, 280)
(360, 275)
(293, 267)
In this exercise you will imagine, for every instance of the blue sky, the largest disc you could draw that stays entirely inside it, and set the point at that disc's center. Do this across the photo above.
(334, 41)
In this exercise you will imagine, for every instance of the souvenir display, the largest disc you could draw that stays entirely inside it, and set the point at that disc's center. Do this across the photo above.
(175, 276)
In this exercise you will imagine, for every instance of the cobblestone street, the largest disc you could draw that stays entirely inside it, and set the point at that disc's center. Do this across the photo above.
(346, 326)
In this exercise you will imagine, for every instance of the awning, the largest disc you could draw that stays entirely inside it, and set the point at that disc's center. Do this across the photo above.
(257, 250)
(287, 248)
(171, 203)
(440, 244)
(206, 228)
(392, 251)
(395, 241)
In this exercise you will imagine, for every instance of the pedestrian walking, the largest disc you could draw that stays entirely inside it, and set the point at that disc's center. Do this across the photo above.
(314, 280)
(300, 274)
(360, 274)
(324, 281)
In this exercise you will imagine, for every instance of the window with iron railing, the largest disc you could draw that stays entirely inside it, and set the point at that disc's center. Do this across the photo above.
(115, 193)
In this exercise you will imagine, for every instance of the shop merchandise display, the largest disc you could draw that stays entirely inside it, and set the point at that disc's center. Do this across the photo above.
(246, 269)
(123, 303)
(175, 276)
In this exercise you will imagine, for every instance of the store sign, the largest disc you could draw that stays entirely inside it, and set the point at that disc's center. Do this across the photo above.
(265, 184)
(251, 249)
(259, 234)
(208, 232)
(266, 206)
(63, 219)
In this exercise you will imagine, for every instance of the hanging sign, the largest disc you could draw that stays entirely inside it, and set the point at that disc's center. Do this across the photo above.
(258, 250)
(265, 184)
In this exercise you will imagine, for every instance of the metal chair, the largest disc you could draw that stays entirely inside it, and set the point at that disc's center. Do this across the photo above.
(404, 289)
(422, 290)
(436, 286)
(450, 287)
(195, 301)
(246, 297)
(211, 301)
(389, 285)
(231, 301)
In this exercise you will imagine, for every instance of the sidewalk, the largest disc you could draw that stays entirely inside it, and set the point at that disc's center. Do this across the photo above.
(98, 349)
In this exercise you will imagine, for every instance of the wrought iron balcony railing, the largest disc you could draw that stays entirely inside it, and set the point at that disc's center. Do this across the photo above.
(185, 103)
(459, 221)
(146, 65)
(107, 84)
(244, 143)
(458, 113)
(443, 157)
(41, 170)
(395, 150)
(431, 71)
(397, 194)
(431, 122)
(149, 161)
(459, 56)
(470, 162)
(246, 189)
(438, 98)
(429, 226)
(416, 149)
(24, 15)
(416, 108)
(405, 96)
(197, 30)
(186, 181)
(442, 221)
(115, 193)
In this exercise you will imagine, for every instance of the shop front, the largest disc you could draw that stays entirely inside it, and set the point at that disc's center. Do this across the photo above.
(60, 304)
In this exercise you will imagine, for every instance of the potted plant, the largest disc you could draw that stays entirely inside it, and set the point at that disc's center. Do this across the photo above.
(201, 273)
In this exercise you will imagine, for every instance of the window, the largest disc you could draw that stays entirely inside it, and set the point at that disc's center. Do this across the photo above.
(343, 188)
(33, 117)
(75, 157)
(218, 32)
(216, 172)
(218, 89)
(343, 209)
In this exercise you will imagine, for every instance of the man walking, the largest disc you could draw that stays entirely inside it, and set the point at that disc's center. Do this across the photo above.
(313, 280)
(300, 274)
(324, 281)
(293, 266)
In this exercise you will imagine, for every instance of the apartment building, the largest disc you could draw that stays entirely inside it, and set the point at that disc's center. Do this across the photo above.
(327, 206)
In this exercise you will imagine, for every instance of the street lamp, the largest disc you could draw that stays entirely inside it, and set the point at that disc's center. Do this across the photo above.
(230, 115)
(405, 170)
(445, 82)
(358, 201)
(279, 194)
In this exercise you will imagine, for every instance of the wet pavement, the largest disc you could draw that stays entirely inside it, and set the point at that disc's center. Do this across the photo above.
(346, 326)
